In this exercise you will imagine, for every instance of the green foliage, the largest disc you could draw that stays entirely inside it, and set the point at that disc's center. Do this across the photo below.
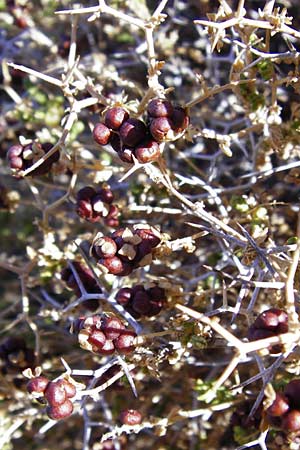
(223, 394)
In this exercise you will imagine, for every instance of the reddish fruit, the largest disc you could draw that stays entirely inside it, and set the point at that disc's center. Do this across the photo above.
(107, 349)
(112, 327)
(60, 411)
(113, 264)
(279, 407)
(125, 155)
(97, 338)
(291, 421)
(105, 247)
(15, 150)
(147, 152)
(113, 212)
(132, 132)
(179, 120)
(84, 209)
(140, 303)
(37, 384)
(55, 393)
(271, 319)
(69, 387)
(22, 158)
(148, 235)
(86, 276)
(160, 127)
(101, 134)
(124, 295)
(114, 117)
(130, 417)
(159, 108)
(125, 342)
(137, 288)
(111, 222)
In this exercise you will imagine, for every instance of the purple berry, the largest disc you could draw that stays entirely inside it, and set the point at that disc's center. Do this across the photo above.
(179, 119)
(107, 349)
(124, 295)
(130, 417)
(159, 128)
(55, 393)
(114, 117)
(37, 384)
(291, 421)
(280, 405)
(101, 134)
(125, 342)
(159, 108)
(140, 303)
(105, 247)
(147, 152)
(112, 327)
(132, 132)
(60, 411)
(97, 338)
(148, 235)
(125, 155)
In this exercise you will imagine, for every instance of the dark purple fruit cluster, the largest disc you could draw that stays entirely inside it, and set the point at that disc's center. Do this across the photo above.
(139, 301)
(56, 393)
(88, 280)
(130, 417)
(284, 413)
(166, 121)
(94, 205)
(132, 137)
(103, 334)
(21, 157)
(126, 249)
(271, 322)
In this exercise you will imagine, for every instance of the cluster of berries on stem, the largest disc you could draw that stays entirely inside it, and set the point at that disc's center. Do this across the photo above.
(57, 394)
(284, 412)
(104, 335)
(131, 137)
(139, 301)
(125, 249)
(22, 157)
(271, 322)
(95, 205)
